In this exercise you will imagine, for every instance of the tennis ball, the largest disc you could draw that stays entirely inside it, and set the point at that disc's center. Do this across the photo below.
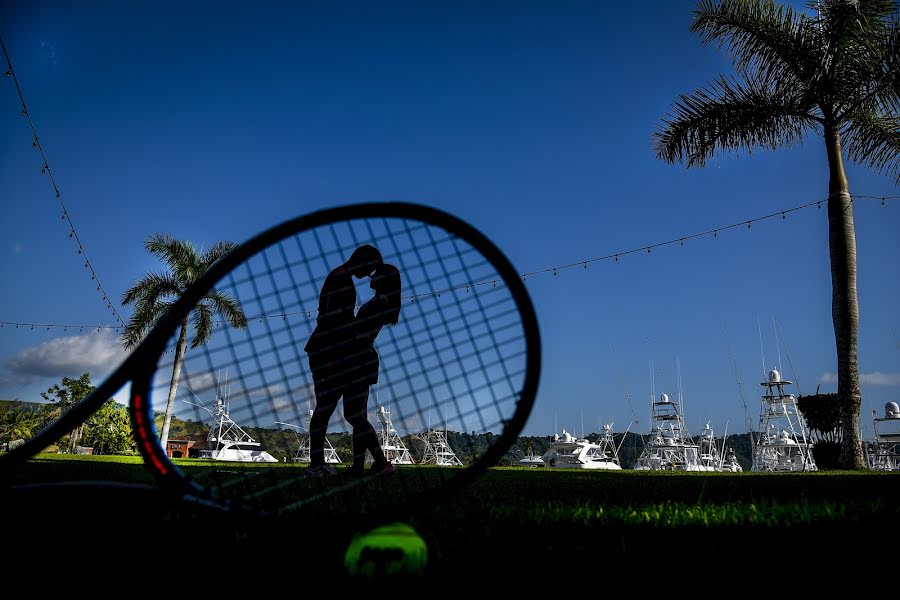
(391, 550)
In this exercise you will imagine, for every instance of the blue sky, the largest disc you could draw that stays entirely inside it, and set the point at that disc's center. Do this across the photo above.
(530, 120)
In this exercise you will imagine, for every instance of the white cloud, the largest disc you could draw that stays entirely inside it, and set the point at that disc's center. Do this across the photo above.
(95, 353)
(828, 378)
(874, 378)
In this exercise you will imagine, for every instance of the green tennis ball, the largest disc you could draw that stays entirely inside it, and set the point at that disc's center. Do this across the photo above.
(391, 550)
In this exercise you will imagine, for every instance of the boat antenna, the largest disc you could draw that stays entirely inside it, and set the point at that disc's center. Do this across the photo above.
(777, 345)
(225, 392)
(652, 394)
(658, 366)
(761, 351)
(788, 354)
(722, 453)
(624, 435)
(624, 386)
(199, 403)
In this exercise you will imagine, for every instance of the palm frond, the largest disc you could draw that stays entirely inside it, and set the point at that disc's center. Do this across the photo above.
(145, 316)
(732, 115)
(152, 286)
(215, 302)
(226, 307)
(860, 52)
(888, 94)
(181, 256)
(218, 250)
(874, 140)
(203, 324)
(769, 41)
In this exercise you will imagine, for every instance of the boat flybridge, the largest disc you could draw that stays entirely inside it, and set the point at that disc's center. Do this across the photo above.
(395, 451)
(569, 452)
(670, 448)
(884, 453)
(783, 443)
(438, 450)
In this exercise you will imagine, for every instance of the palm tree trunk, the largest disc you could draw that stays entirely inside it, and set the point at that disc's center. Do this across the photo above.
(180, 349)
(844, 304)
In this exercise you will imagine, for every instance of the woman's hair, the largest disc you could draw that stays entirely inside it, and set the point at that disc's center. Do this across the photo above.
(386, 282)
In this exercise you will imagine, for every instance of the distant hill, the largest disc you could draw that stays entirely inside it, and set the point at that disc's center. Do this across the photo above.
(8, 405)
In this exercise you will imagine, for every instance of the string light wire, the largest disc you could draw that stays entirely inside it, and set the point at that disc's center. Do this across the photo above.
(46, 170)
(310, 313)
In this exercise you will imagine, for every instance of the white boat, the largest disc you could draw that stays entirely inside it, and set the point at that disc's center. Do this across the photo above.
(731, 464)
(532, 460)
(395, 451)
(712, 456)
(227, 441)
(437, 449)
(303, 449)
(669, 447)
(568, 452)
(782, 443)
(884, 453)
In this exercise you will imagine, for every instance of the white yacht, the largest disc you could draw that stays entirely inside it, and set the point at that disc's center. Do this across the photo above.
(303, 449)
(731, 464)
(669, 447)
(712, 456)
(884, 453)
(395, 451)
(782, 443)
(229, 442)
(532, 460)
(438, 450)
(568, 452)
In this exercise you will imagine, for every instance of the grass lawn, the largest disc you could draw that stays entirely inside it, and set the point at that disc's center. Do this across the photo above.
(509, 518)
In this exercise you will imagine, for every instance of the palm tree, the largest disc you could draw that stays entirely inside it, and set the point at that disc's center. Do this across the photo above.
(17, 424)
(835, 72)
(154, 293)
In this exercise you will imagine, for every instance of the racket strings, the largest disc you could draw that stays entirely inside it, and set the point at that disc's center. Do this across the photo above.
(454, 363)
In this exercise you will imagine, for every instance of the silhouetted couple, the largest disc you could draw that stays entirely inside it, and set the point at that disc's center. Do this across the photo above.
(343, 359)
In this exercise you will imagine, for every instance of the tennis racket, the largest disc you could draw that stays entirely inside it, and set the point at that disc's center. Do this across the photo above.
(457, 374)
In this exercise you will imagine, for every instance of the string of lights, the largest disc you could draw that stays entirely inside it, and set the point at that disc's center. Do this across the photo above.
(614, 256)
(46, 170)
